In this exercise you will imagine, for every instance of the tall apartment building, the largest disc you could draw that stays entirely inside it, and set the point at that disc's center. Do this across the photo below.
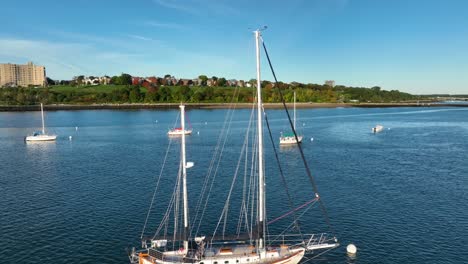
(22, 75)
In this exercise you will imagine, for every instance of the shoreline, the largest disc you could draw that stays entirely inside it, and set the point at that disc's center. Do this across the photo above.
(166, 106)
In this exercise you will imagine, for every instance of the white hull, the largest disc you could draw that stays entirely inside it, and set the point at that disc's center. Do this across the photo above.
(377, 129)
(41, 138)
(290, 140)
(271, 257)
(179, 132)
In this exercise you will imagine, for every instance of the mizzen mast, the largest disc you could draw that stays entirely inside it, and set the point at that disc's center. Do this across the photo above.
(184, 178)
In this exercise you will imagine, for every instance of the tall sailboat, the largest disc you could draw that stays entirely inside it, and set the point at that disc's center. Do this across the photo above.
(258, 246)
(42, 135)
(289, 138)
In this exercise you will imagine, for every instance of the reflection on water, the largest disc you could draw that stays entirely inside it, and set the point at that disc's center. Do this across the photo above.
(288, 148)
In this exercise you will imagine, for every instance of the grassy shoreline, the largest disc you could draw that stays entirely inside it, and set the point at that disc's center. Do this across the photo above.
(162, 106)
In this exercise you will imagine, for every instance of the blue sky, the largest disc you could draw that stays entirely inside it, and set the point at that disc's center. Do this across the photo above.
(411, 45)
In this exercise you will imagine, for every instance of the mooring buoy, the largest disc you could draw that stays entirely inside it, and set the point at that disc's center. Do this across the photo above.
(351, 249)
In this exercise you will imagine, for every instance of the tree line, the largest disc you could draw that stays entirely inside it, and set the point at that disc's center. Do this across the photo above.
(195, 94)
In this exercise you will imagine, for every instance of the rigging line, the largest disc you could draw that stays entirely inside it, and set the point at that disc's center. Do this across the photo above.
(318, 255)
(306, 165)
(167, 214)
(208, 175)
(169, 206)
(228, 199)
(188, 120)
(218, 163)
(156, 188)
(177, 202)
(236, 173)
(243, 209)
(210, 168)
(254, 181)
(164, 221)
(283, 179)
(287, 228)
(292, 211)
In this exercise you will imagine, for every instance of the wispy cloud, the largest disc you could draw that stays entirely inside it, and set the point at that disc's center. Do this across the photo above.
(79, 37)
(198, 7)
(138, 37)
(176, 4)
(165, 25)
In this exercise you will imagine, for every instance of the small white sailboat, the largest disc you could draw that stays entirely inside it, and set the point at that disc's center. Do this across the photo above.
(42, 135)
(377, 129)
(257, 246)
(289, 138)
(178, 131)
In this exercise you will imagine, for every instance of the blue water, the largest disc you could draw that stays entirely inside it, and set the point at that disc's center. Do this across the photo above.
(400, 195)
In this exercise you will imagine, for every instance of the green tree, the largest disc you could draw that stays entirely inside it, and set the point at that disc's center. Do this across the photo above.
(135, 94)
(209, 93)
(164, 94)
(198, 96)
(20, 98)
(221, 81)
(181, 94)
(203, 79)
(79, 79)
(49, 81)
(125, 79)
(114, 80)
(151, 95)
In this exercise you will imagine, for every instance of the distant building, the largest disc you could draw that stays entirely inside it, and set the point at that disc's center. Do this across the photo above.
(22, 75)
(232, 83)
(330, 83)
(104, 79)
(91, 80)
(186, 82)
(136, 80)
(210, 82)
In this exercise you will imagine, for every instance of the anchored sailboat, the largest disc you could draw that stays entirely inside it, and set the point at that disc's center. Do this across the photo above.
(289, 138)
(42, 135)
(255, 247)
(177, 131)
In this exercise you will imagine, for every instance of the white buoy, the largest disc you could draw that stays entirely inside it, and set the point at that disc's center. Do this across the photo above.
(311, 139)
(76, 128)
(70, 137)
(351, 249)
(198, 132)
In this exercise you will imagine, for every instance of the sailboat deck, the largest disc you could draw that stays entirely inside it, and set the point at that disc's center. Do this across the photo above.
(221, 255)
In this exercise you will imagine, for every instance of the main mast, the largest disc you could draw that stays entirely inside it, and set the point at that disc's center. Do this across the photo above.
(261, 182)
(184, 177)
(42, 116)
